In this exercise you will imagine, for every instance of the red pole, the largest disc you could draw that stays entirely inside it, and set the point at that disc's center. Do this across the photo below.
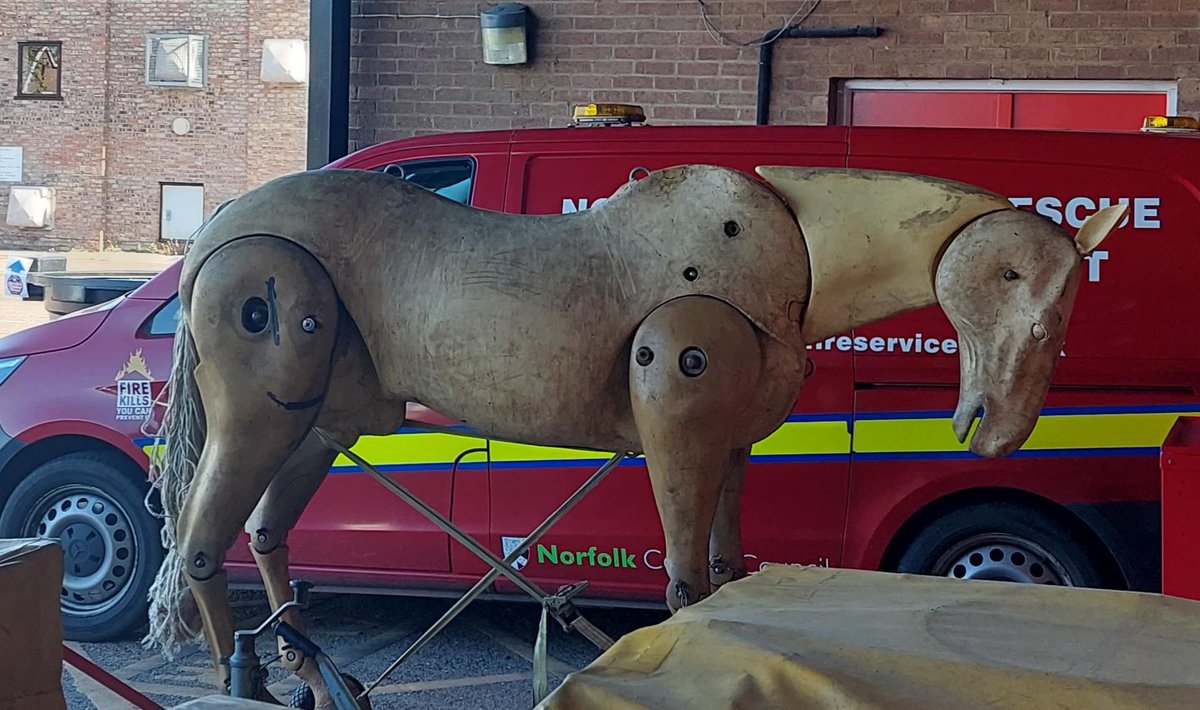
(108, 680)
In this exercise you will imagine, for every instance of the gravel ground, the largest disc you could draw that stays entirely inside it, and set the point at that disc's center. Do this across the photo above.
(482, 660)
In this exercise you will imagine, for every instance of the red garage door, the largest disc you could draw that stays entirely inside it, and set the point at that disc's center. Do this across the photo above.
(973, 107)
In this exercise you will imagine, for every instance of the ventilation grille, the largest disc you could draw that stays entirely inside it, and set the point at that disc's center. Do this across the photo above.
(177, 60)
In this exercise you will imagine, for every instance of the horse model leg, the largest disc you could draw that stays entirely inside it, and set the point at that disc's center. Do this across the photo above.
(263, 316)
(726, 561)
(277, 513)
(695, 371)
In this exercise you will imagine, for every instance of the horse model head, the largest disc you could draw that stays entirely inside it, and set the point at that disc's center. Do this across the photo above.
(1007, 283)
(883, 243)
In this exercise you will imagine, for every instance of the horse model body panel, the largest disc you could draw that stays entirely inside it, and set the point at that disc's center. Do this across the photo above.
(671, 321)
(495, 316)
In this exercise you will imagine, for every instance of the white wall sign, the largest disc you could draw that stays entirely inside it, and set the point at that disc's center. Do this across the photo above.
(10, 163)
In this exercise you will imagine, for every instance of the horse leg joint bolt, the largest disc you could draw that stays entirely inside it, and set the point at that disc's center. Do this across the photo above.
(717, 565)
(693, 362)
(683, 593)
(255, 315)
(199, 561)
(644, 356)
(690, 273)
(309, 325)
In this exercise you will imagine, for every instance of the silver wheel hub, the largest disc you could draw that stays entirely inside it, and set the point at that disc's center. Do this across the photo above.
(97, 542)
(1002, 558)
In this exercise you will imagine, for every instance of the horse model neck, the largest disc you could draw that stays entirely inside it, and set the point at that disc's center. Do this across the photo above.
(873, 239)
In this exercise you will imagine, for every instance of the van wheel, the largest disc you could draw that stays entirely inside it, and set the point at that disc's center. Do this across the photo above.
(1003, 542)
(111, 545)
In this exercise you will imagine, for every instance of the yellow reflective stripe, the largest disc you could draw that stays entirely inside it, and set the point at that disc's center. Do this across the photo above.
(410, 448)
(1067, 431)
(793, 438)
(1101, 431)
(804, 438)
(905, 435)
(801, 438)
(508, 451)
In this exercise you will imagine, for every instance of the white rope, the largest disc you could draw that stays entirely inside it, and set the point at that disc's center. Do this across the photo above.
(173, 459)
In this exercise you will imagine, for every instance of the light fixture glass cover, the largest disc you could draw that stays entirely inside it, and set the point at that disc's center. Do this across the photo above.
(504, 34)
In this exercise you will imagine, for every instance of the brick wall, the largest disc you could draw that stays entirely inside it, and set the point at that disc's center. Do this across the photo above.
(61, 140)
(419, 75)
(108, 145)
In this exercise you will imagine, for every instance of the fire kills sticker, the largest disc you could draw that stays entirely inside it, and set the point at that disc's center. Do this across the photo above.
(134, 396)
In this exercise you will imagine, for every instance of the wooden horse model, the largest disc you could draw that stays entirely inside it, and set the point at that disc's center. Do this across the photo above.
(671, 321)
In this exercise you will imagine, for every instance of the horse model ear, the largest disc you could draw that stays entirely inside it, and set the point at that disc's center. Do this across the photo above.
(1097, 226)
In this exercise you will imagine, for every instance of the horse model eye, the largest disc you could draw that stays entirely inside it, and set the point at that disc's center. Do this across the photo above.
(1011, 275)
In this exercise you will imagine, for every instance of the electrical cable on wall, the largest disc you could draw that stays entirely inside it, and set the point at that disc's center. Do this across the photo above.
(726, 39)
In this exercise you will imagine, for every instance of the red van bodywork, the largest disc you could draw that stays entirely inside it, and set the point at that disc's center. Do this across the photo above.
(866, 473)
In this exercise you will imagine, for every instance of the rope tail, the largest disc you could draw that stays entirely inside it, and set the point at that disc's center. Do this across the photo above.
(173, 614)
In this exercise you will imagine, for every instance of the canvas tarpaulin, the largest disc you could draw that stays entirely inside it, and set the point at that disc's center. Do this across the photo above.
(812, 637)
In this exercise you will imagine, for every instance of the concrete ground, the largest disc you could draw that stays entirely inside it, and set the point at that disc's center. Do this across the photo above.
(16, 314)
(484, 659)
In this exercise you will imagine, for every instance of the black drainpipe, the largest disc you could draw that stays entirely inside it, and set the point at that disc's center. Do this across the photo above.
(764, 55)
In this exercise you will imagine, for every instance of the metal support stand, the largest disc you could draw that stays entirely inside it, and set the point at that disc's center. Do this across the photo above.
(557, 605)
(247, 676)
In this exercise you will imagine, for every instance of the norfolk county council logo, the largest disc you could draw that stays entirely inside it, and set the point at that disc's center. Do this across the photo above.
(509, 544)
(134, 397)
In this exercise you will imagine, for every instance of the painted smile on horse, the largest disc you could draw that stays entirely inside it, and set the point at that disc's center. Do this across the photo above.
(670, 321)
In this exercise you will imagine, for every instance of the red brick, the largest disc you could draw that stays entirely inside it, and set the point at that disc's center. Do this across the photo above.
(968, 70)
(1074, 19)
(921, 38)
(987, 22)
(1074, 55)
(1100, 38)
(968, 39)
(1101, 71)
(986, 54)
(971, 6)
(1176, 20)
(1159, 55)
(1124, 54)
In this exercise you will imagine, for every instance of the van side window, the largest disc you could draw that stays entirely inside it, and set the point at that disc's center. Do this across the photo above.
(165, 319)
(448, 177)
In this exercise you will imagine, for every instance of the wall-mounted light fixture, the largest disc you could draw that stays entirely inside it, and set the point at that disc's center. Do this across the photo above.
(504, 28)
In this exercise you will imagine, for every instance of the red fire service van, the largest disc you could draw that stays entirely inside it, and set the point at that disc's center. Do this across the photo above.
(866, 473)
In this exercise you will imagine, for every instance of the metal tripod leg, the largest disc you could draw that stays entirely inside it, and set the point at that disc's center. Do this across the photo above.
(558, 604)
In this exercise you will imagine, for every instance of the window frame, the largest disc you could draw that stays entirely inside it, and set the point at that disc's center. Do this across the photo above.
(423, 160)
(147, 329)
(21, 46)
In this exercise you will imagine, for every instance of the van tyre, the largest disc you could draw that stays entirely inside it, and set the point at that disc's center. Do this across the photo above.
(1003, 542)
(111, 543)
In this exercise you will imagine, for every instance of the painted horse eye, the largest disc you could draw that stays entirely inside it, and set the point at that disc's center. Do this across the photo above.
(1011, 275)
